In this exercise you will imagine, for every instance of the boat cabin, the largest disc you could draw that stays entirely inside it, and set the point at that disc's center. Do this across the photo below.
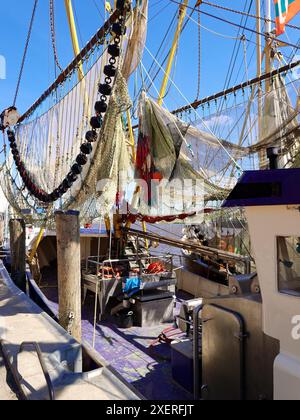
(272, 203)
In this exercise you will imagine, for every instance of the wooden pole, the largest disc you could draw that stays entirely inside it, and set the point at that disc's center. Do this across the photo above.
(69, 272)
(17, 230)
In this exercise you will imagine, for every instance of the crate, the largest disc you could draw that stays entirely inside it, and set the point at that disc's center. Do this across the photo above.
(152, 309)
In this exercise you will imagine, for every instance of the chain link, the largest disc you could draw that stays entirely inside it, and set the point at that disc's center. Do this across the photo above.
(53, 35)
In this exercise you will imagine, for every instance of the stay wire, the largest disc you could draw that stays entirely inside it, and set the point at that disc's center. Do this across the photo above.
(238, 25)
(239, 12)
(25, 52)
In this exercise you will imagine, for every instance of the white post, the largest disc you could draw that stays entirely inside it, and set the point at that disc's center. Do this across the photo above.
(268, 16)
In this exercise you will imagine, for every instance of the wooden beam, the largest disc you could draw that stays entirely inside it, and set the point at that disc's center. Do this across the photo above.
(69, 272)
(17, 230)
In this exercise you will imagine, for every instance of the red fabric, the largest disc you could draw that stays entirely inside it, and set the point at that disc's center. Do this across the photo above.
(132, 218)
(145, 168)
(156, 268)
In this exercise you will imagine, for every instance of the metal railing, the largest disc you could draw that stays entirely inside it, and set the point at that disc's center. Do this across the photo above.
(141, 260)
(13, 368)
(196, 351)
(212, 253)
(43, 366)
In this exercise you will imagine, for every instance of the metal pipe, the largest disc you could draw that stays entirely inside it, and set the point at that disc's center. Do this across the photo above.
(196, 360)
(273, 154)
(43, 366)
(268, 16)
(202, 250)
(74, 36)
(36, 245)
(182, 14)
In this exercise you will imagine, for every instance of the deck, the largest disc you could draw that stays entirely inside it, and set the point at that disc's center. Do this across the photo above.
(23, 321)
(128, 351)
(7, 393)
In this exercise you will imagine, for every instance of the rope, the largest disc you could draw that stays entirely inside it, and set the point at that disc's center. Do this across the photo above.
(198, 115)
(297, 47)
(240, 86)
(238, 12)
(212, 31)
(193, 9)
(199, 55)
(176, 126)
(235, 53)
(53, 35)
(25, 51)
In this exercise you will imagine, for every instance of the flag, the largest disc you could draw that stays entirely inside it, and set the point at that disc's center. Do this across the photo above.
(285, 10)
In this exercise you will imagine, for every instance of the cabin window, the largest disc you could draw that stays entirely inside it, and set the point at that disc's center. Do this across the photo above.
(288, 248)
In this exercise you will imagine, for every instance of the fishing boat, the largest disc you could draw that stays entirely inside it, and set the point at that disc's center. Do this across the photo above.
(153, 247)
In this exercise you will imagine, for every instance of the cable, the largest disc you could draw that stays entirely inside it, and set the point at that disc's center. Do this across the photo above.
(25, 51)
(193, 9)
(214, 32)
(195, 111)
(236, 25)
(163, 41)
(98, 9)
(235, 54)
(227, 9)
(240, 86)
(199, 55)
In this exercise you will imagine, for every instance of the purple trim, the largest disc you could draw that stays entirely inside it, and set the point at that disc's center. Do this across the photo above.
(281, 186)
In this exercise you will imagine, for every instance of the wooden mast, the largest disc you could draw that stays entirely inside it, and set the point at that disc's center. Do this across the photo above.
(68, 238)
(17, 230)
(69, 272)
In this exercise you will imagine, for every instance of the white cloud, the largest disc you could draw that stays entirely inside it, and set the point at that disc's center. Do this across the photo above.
(218, 120)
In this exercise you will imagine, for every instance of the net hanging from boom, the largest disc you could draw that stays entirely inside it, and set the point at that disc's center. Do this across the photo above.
(51, 133)
(48, 140)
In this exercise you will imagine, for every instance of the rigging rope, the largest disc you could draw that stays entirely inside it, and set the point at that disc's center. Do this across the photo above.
(239, 12)
(237, 25)
(241, 86)
(25, 51)
(235, 53)
(212, 31)
(199, 55)
(193, 9)
(198, 115)
(53, 35)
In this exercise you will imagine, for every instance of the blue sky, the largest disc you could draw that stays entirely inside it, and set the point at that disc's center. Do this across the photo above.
(39, 68)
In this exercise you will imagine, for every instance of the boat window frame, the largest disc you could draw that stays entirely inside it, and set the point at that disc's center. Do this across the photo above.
(292, 292)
